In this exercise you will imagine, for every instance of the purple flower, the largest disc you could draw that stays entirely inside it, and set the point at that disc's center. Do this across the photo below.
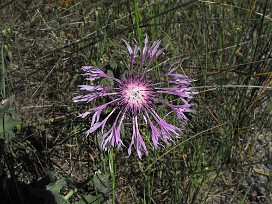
(133, 100)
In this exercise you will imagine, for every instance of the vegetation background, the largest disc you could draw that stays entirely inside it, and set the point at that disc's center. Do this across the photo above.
(224, 156)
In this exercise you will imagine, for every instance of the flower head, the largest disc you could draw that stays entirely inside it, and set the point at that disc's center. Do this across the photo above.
(135, 97)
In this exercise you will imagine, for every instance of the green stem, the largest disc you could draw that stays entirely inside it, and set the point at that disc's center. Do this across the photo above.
(112, 171)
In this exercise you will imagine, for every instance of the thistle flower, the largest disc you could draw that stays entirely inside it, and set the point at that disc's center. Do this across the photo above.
(133, 100)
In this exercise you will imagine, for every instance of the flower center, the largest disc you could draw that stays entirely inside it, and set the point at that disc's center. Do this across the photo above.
(135, 94)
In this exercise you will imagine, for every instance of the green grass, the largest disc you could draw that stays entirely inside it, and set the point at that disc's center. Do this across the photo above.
(224, 154)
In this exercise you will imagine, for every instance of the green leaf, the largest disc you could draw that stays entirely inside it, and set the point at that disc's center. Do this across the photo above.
(46, 180)
(57, 186)
(89, 199)
(101, 182)
(6, 128)
(48, 196)
(5, 104)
